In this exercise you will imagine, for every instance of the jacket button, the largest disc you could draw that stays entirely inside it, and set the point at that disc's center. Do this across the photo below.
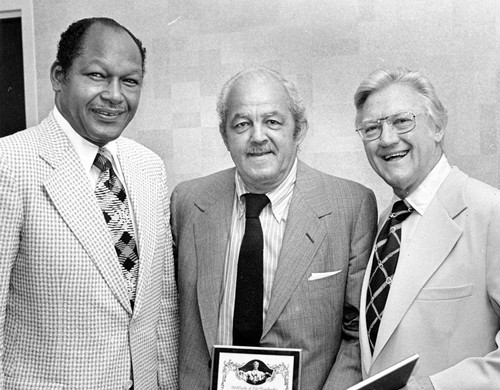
(128, 385)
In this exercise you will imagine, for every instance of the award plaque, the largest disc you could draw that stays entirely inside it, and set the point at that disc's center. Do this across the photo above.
(249, 368)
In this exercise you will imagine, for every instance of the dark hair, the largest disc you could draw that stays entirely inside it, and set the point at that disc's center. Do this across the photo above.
(296, 104)
(71, 43)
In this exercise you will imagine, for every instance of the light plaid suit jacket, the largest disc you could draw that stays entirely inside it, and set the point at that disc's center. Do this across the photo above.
(65, 316)
(330, 227)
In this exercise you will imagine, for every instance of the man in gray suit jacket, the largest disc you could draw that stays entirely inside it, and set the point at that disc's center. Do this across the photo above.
(317, 232)
(87, 289)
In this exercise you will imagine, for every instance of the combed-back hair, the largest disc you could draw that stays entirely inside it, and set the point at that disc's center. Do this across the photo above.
(71, 43)
(383, 77)
(296, 105)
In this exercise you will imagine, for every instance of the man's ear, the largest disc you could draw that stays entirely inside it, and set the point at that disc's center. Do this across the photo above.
(439, 132)
(56, 76)
(301, 134)
(224, 136)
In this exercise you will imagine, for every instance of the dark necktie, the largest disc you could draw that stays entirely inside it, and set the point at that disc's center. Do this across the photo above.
(247, 321)
(112, 199)
(384, 264)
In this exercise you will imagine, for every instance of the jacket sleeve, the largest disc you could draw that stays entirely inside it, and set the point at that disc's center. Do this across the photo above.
(11, 218)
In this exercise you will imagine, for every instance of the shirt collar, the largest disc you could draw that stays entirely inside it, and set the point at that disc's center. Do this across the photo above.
(422, 196)
(279, 197)
(85, 150)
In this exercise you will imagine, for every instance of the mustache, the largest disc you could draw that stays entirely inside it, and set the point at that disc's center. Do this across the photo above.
(259, 149)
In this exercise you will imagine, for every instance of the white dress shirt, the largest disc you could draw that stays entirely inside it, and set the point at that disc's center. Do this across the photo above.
(420, 200)
(273, 220)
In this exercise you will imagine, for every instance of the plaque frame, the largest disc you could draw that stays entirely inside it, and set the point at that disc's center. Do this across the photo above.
(277, 368)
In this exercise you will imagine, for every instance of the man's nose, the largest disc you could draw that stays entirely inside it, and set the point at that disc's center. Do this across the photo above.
(113, 91)
(388, 135)
(258, 133)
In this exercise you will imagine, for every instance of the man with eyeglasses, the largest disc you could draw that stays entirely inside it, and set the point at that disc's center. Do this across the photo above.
(432, 286)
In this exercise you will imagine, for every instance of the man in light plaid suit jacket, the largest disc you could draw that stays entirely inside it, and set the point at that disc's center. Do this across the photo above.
(66, 315)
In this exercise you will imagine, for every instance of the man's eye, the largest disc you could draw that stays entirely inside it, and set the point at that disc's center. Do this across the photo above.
(401, 121)
(273, 124)
(96, 75)
(371, 128)
(131, 82)
(241, 126)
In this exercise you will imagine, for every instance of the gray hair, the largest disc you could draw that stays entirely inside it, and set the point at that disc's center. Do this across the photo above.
(381, 78)
(296, 105)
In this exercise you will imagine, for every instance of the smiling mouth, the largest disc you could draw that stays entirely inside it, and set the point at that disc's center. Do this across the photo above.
(108, 113)
(395, 156)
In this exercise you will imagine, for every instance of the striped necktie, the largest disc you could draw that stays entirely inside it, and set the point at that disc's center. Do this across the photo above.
(385, 259)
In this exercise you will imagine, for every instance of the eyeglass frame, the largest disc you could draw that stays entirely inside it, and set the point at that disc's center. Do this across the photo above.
(380, 120)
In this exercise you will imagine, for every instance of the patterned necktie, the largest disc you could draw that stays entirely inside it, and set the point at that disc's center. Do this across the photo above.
(384, 263)
(112, 199)
(247, 321)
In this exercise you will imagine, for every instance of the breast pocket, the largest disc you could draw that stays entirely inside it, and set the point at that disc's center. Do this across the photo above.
(445, 293)
(440, 311)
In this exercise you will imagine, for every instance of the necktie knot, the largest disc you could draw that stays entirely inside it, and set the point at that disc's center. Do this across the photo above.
(103, 160)
(255, 203)
(400, 211)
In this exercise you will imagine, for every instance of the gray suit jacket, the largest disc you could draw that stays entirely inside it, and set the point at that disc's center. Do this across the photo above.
(330, 227)
(65, 315)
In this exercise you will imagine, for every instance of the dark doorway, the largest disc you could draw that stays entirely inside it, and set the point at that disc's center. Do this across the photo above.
(12, 105)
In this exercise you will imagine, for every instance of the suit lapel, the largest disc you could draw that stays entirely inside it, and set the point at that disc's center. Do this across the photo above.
(304, 233)
(211, 232)
(68, 188)
(435, 237)
(366, 355)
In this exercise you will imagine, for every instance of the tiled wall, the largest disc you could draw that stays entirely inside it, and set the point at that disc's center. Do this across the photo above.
(326, 46)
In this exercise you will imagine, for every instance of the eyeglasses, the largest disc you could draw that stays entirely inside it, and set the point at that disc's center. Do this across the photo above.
(401, 122)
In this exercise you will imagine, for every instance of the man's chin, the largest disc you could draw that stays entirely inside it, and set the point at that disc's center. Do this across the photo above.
(107, 133)
(259, 180)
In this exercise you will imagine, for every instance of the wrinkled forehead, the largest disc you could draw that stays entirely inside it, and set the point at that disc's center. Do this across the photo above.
(109, 43)
(258, 91)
